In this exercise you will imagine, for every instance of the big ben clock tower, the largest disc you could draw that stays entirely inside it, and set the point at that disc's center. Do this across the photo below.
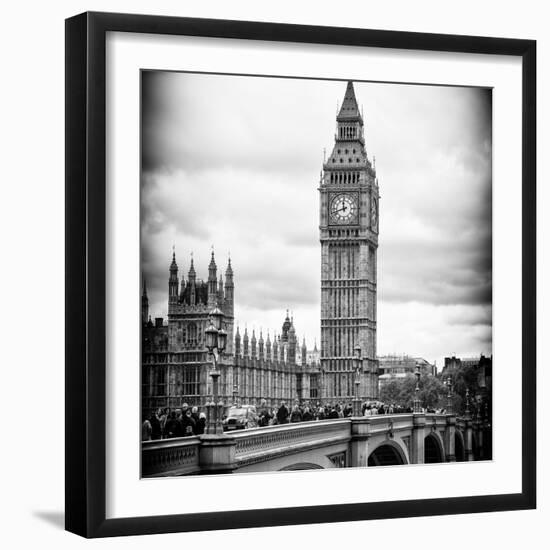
(349, 241)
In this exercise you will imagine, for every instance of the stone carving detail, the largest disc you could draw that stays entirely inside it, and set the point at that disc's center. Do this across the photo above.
(338, 459)
(183, 459)
(389, 434)
(285, 438)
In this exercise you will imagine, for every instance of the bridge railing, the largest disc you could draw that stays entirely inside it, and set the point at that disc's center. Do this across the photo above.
(181, 456)
(177, 456)
(258, 444)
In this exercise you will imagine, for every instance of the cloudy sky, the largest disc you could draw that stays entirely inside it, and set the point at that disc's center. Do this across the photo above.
(233, 162)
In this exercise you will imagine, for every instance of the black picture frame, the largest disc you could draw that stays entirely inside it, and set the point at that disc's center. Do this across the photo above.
(86, 279)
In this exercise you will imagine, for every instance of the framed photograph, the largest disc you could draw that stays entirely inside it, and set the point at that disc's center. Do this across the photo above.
(294, 255)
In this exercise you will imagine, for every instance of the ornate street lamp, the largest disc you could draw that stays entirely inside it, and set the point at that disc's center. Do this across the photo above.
(211, 335)
(449, 383)
(216, 342)
(235, 394)
(357, 381)
(416, 403)
(467, 408)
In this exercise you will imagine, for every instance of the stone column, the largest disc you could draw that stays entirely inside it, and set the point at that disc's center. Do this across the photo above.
(217, 454)
(359, 444)
(417, 439)
(468, 443)
(479, 433)
(450, 455)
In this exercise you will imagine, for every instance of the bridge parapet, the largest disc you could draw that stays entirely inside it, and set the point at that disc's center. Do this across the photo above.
(389, 422)
(170, 457)
(259, 444)
(354, 438)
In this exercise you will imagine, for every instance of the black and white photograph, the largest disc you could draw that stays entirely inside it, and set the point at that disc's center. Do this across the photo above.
(316, 276)
(273, 250)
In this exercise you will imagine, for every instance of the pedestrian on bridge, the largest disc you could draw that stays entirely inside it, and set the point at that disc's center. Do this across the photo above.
(282, 414)
(296, 415)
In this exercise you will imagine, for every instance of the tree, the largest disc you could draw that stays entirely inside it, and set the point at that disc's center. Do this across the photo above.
(401, 391)
(464, 378)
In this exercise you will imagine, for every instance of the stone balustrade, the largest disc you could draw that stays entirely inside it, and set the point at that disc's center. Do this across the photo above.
(271, 442)
(170, 457)
(248, 448)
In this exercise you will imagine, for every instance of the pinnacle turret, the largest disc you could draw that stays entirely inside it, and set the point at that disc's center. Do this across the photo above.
(261, 345)
(304, 352)
(173, 281)
(229, 270)
(245, 342)
(349, 111)
(238, 342)
(174, 265)
(286, 327)
(212, 268)
(192, 274)
(212, 282)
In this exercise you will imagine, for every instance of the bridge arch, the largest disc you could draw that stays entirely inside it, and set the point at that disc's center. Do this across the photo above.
(387, 453)
(302, 466)
(460, 455)
(433, 449)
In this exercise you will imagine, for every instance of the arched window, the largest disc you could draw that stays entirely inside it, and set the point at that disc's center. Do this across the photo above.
(192, 333)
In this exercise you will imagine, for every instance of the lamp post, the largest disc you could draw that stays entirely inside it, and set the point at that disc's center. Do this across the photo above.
(357, 381)
(449, 383)
(235, 394)
(467, 407)
(416, 403)
(216, 341)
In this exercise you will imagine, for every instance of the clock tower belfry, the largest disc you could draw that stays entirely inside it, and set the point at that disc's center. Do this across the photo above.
(349, 241)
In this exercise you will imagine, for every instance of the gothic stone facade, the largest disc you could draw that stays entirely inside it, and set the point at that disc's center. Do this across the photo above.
(349, 241)
(175, 363)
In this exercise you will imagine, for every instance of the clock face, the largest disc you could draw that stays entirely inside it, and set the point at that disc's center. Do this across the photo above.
(343, 209)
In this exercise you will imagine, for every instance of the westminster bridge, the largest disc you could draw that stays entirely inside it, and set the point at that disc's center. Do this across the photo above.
(379, 440)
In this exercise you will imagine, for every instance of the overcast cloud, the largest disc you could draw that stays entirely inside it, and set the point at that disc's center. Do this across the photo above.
(234, 162)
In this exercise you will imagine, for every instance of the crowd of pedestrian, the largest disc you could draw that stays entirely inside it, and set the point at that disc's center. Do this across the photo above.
(187, 421)
(301, 412)
(167, 423)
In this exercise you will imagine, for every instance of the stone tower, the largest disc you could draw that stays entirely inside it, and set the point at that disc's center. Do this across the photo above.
(349, 241)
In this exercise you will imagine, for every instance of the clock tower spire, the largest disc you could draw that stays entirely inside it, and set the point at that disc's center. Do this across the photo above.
(349, 241)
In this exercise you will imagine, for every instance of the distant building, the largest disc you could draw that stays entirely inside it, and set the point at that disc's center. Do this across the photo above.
(452, 364)
(393, 367)
(313, 357)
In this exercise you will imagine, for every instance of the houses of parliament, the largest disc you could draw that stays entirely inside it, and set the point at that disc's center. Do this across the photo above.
(277, 367)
